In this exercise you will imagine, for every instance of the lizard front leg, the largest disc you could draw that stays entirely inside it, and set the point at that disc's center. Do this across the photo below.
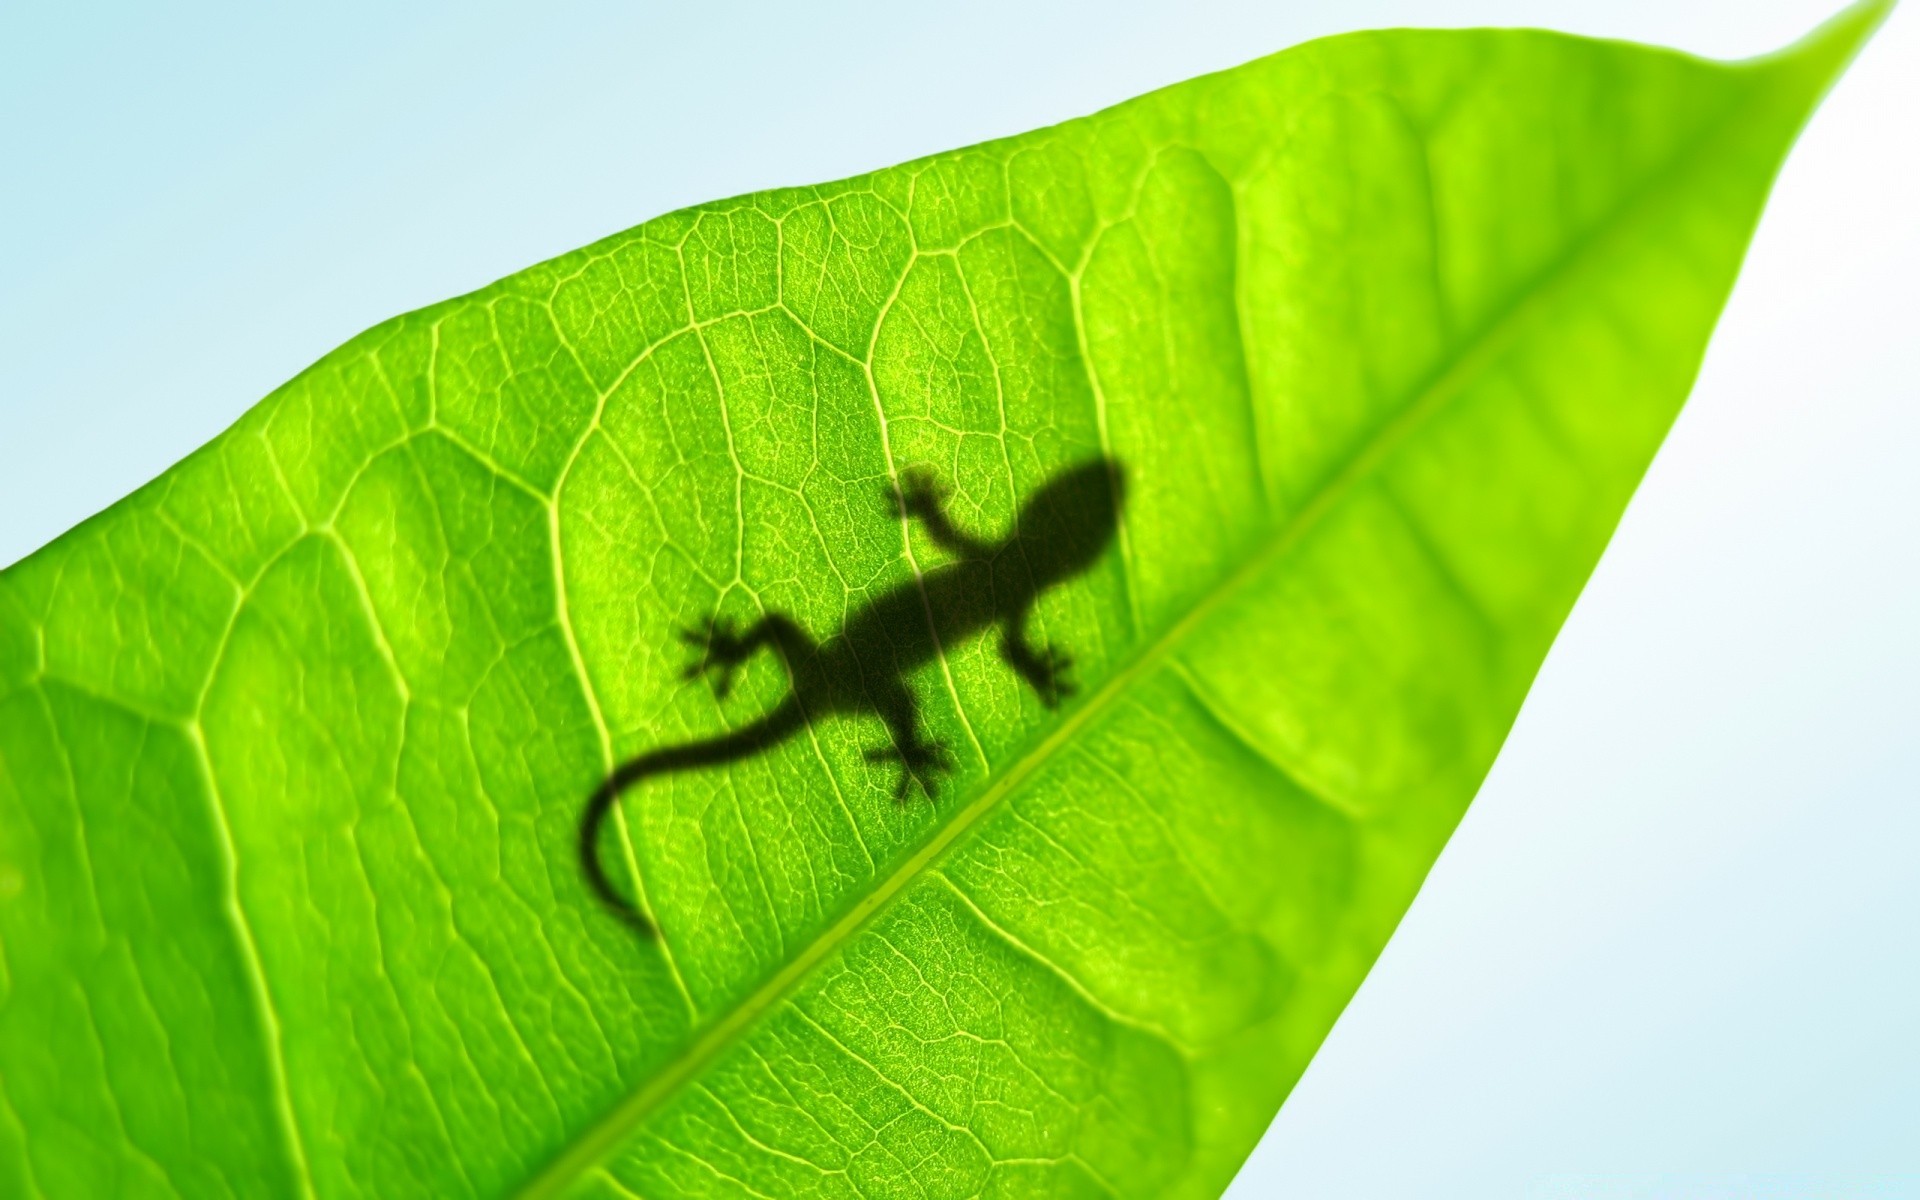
(924, 498)
(1043, 667)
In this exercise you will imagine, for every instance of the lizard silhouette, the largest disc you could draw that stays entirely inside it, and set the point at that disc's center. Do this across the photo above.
(1059, 532)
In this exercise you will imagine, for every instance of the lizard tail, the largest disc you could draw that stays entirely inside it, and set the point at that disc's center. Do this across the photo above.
(775, 727)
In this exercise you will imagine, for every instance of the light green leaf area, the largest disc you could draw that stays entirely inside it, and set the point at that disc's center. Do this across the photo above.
(294, 742)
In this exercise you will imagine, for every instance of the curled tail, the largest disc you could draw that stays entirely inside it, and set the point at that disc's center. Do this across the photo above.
(769, 730)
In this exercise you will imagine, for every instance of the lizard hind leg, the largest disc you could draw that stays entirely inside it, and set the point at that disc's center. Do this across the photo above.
(1044, 668)
(724, 649)
(721, 651)
(922, 759)
(922, 762)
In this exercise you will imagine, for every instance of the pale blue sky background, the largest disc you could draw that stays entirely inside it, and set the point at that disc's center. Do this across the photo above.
(1672, 950)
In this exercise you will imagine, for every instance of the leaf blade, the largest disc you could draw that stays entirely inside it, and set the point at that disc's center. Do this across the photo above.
(431, 636)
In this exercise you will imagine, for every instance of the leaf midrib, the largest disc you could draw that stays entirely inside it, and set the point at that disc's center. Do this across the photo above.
(592, 1147)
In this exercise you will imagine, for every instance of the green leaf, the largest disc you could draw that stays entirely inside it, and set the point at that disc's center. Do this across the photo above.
(295, 742)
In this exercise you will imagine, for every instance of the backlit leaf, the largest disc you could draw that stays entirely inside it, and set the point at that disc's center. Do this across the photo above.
(295, 743)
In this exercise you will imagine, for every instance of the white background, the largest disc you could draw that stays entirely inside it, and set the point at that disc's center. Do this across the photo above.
(1672, 950)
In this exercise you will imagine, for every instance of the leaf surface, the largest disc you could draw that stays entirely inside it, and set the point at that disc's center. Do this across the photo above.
(294, 742)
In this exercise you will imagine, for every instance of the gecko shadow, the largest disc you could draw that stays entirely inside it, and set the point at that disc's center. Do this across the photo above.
(1060, 531)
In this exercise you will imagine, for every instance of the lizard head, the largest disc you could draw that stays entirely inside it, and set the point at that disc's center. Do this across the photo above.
(1071, 520)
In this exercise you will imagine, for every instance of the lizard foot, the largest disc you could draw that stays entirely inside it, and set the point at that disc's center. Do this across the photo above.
(921, 492)
(722, 650)
(1045, 671)
(1051, 676)
(919, 761)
